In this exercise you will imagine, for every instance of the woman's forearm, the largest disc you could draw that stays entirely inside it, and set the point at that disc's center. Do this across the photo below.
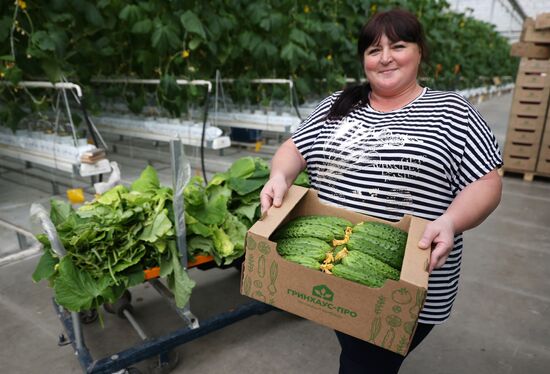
(287, 162)
(473, 204)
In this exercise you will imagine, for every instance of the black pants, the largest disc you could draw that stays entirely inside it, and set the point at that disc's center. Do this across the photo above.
(361, 357)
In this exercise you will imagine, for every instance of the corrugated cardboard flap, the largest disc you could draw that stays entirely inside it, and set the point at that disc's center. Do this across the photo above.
(274, 216)
(415, 257)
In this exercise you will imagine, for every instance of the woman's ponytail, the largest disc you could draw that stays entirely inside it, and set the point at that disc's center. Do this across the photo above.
(349, 99)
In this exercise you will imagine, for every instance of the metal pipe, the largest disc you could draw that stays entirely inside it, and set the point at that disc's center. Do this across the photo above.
(134, 324)
(39, 84)
(77, 330)
(290, 82)
(181, 82)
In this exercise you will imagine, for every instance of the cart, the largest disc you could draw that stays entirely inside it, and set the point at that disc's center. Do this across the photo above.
(121, 362)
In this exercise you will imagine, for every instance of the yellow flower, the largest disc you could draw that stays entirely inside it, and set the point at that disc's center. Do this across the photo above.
(438, 69)
(462, 23)
(2, 74)
(329, 57)
(185, 53)
(373, 8)
(306, 9)
(22, 4)
(457, 68)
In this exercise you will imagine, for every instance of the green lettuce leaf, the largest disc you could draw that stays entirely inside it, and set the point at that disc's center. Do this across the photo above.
(302, 179)
(194, 226)
(160, 227)
(242, 168)
(46, 266)
(248, 211)
(198, 244)
(245, 186)
(194, 193)
(215, 208)
(236, 231)
(111, 197)
(147, 181)
(182, 284)
(59, 211)
(218, 179)
(76, 289)
(222, 243)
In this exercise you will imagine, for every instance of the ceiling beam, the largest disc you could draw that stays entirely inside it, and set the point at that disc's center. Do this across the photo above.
(518, 8)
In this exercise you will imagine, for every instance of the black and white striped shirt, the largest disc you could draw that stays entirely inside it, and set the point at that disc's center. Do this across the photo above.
(413, 160)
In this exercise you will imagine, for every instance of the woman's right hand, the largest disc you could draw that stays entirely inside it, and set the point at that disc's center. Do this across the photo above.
(285, 166)
(273, 192)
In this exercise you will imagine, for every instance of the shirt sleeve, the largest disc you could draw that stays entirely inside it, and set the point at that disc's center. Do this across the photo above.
(309, 129)
(481, 151)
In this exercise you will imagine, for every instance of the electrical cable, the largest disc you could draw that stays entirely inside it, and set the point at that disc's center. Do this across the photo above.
(91, 127)
(294, 101)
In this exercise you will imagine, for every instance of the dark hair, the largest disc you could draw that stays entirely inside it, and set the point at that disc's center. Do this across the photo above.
(396, 24)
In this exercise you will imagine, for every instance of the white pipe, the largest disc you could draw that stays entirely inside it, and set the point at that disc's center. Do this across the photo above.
(290, 82)
(58, 85)
(181, 82)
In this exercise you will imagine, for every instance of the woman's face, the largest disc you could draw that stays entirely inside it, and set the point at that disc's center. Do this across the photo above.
(391, 67)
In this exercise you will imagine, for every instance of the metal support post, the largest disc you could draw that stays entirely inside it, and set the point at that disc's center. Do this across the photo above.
(180, 175)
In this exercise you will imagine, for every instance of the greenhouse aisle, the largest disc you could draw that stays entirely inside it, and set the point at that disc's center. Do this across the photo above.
(499, 324)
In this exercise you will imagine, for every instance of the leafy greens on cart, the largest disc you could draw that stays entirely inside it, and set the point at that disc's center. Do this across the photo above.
(109, 243)
(113, 239)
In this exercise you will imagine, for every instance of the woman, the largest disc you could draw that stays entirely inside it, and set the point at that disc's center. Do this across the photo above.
(390, 148)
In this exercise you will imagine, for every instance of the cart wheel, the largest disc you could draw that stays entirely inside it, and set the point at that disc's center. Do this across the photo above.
(88, 316)
(122, 304)
(165, 363)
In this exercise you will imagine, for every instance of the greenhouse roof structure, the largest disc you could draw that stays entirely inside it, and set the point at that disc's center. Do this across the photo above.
(506, 15)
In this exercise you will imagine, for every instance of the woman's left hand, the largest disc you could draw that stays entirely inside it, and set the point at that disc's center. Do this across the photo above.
(439, 236)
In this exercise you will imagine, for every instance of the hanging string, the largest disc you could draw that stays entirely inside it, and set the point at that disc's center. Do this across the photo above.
(70, 117)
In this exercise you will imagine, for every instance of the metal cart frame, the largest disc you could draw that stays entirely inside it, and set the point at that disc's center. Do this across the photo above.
(149, 347)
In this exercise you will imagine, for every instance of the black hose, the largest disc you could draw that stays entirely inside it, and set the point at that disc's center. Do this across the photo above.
(90, 129)
(205, 117)
(88, 122)
(295, 101)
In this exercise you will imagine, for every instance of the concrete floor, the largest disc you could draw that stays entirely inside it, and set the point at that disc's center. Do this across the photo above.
(500, 322)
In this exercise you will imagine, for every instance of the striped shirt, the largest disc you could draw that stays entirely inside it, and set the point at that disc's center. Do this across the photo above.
(413, 160)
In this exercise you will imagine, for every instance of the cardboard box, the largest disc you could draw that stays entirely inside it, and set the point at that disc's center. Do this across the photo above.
(546, 132)
(519, 163)
(532, 95)
(543, 164)
(544, 153)
(385, 316)
(542, 21)
(526, 122)
(529, 109)
(530, 34)
(532, 50)
(540, 80)
(530, 150)
(529, 65)
(528, 136)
